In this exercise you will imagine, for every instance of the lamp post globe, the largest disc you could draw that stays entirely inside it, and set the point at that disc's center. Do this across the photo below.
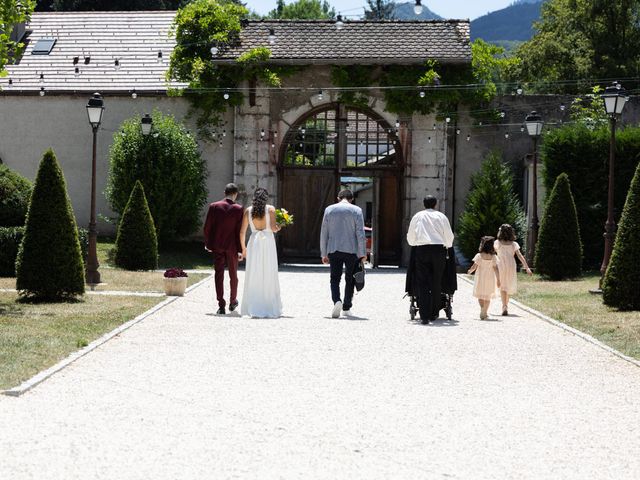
(614, 98)
(146, 124)
(534, 124)
(95, 110)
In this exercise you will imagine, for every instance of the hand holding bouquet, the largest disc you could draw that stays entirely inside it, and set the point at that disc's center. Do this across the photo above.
(283, 218)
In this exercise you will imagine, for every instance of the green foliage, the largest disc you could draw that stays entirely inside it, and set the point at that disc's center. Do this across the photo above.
(490, 203)
(583, 153)
(581, 39)
(559, 248)
(621, 286)
(171, 169)
(12, 12)
(380, 10)
(10, 238)
(302, 10)
(49, 263)
(136, 243)
(589, 110)
(15, 191)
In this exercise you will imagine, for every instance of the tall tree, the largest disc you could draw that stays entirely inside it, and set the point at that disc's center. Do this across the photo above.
(380, 10)
(302, 10)
(12, 13)
(580, 39)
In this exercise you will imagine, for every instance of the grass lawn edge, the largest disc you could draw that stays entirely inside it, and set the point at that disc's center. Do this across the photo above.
(49, 372)
(567, 328)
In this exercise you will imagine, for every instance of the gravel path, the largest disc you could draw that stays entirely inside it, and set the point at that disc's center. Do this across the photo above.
(189, 395)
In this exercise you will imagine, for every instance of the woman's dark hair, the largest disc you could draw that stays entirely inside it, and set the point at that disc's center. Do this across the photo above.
(430, 201)
(260, 199)
(486, 245)
(506, 233)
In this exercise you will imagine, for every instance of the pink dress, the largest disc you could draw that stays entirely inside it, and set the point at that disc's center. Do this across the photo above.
(484, 282)
(507, 264)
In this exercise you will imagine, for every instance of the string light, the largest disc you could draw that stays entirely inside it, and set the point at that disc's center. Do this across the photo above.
(214, 51)
(261, 134)
(417, 8)
(320, 95)
(519, 90)
(116, 63)
(224, 133)
(429, 139)
(272, 36)
(422, 94)
(506, 135)
(503, 114)
(41, 77)
(457, 131)
(134, 94)
(397, 123)
(160, 56)
(246, 145)
(77, 71)
(562, 107)
(339, 22)
(42, 91)
(226, 95)
(468, 138)
(448, 119)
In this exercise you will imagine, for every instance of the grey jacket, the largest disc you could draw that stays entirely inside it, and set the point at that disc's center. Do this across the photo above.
(342, 230)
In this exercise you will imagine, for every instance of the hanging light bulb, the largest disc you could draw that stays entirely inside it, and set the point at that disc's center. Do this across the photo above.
(562, 107)
(226, 95)
(320, 95)
(134, 94)
(246, 145)
(273, 145)
(429, 139)
(116, 64)
(448, 119)
(503, 114)
(275, 134)
(434, 127)
(506, 135)
(339, 22)
(522, 129)
(41, 77)
(303, 131)
(42, 91)
(519, 90)
(468, 138)
(457, 131)
(417, 8)
(76, 71)
(272, 36)
(480, 123)
(397, 123)
(160, 56)
(262, 134)
(224, 132)
(11, 81)
(422, 94)
(214, 51)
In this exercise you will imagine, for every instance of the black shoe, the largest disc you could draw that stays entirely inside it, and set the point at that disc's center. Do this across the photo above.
(233, 306)
(221, 311)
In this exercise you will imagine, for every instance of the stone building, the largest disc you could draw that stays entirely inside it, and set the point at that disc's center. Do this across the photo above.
(298, 141)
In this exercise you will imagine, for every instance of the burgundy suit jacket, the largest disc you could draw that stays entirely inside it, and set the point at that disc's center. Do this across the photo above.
(222, 227)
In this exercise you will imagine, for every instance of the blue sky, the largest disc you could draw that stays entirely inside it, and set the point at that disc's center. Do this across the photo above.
(446, 8)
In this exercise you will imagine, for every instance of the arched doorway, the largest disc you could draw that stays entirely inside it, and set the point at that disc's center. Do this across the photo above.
(333, 147)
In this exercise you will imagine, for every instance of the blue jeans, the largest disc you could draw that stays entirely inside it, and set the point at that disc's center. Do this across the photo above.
(338, 260)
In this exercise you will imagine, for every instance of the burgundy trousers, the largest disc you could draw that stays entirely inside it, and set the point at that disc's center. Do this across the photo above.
(230, 261)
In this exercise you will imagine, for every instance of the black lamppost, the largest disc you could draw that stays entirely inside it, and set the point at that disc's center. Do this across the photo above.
(534, 125)
(95, 109)
(615, 98)
(146, 124)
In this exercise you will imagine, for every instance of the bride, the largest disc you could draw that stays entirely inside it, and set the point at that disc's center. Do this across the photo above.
(261, 296)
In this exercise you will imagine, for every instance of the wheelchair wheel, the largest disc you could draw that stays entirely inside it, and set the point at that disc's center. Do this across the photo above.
(413, 311)
(448, 309)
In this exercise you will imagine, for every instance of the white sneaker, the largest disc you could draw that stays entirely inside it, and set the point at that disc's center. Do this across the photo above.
(346, 313)
(336, 310)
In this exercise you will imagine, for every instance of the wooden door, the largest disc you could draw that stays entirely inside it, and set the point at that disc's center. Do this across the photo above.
(389, 219)
(305, 194)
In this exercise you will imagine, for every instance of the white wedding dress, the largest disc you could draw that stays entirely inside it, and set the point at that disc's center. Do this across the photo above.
(261, 295)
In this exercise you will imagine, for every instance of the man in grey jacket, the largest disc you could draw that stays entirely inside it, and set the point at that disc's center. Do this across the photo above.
(342, 245)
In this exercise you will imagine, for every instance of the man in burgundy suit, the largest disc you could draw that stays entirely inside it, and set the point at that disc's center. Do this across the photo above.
(222, 238)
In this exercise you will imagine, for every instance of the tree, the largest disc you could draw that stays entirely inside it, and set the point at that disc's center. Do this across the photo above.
(136, 242)
(15, 191)
(582, 39)
(490, 203)
(12, 13)
(49, 264)
(169, 165)
(559, 248)
(303, 10)
(621, 286)
(380, 10)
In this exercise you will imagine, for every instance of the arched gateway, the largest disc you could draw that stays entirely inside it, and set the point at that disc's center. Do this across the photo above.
(335, 146)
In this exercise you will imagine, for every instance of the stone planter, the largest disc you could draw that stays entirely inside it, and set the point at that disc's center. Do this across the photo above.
(175, 286)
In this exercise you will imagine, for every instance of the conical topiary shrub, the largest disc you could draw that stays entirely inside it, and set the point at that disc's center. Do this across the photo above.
(559, 248)
(490, 203)
(49, 263)
(621, 286)
(136, 243)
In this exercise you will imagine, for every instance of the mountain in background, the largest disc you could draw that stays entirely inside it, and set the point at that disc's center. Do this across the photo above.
(510, 26)
(404, 11)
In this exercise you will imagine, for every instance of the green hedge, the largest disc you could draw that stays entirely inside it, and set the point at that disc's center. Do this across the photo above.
(10, 238)
(583, 154)
(15, 191)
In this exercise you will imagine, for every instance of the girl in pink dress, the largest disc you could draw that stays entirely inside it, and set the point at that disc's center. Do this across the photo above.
(485, 266)
(507, 248)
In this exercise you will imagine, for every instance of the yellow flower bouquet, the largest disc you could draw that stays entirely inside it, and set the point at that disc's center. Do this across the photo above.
(283, 218)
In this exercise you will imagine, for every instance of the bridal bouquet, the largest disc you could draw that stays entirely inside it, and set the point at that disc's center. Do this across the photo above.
(283, 217)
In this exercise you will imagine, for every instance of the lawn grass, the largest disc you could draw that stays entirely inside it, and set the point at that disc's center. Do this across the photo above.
(34, 337)
(570, 302)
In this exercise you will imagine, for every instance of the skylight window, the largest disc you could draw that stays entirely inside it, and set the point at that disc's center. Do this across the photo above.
(43, 46)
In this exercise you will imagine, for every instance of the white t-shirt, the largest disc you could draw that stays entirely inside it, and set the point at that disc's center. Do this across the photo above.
(430, 227)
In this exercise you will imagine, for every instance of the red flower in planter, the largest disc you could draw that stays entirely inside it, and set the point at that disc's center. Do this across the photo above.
(175, 273)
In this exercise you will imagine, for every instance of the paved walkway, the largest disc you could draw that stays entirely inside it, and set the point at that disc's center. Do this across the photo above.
(189, 395)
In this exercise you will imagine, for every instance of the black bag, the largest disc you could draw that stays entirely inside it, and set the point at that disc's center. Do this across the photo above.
(358, 276)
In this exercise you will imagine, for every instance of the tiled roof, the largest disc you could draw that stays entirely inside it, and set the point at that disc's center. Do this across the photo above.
(134, 38)
(362, 42)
